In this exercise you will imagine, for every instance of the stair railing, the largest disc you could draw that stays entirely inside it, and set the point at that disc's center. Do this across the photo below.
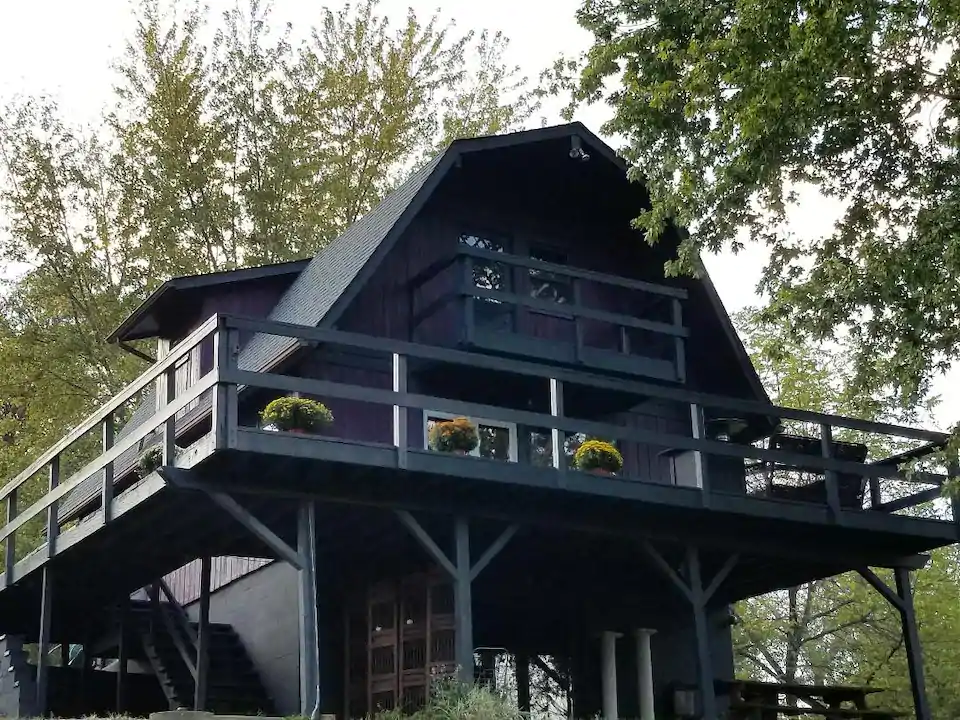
(177, 622)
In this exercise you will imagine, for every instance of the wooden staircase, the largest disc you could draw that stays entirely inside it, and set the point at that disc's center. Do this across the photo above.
(233, 685)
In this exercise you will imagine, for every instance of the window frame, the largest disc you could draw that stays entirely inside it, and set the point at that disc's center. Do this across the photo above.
(511, 428)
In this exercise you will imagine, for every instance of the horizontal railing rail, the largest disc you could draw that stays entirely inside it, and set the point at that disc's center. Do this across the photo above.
(532, 369)
(573, 272)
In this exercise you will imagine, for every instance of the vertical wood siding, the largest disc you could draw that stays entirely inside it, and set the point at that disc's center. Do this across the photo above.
(185, 582)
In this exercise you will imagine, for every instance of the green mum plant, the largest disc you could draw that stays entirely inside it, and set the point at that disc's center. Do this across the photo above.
(149, 461)
(296, 413)
(457, 434)
(598, 455)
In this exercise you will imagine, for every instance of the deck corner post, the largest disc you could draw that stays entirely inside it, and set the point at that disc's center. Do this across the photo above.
(557, 436)
(308, 617)
(224, 404)
(463, 601)
(911, 640)
(830, 476)
(43, 643)
(203, 637)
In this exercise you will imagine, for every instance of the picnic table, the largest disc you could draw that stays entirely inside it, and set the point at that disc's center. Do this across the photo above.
(755, 700)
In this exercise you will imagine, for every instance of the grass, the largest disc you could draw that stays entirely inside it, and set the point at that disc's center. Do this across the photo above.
(457, 701)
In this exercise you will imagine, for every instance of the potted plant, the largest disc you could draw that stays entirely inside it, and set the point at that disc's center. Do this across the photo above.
(598, 457)
(457, 436)
(296, 415)
(149, 461)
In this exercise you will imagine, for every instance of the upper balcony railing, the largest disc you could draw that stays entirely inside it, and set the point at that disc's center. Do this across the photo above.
(527, 307)
(688, 454)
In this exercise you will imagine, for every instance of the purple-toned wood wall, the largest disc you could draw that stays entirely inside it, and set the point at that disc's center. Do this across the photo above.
(185, 582)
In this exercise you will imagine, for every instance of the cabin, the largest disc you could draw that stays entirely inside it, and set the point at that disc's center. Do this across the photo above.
(176, 550)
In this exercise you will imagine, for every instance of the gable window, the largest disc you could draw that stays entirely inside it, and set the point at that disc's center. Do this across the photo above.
(490, 275)
(498, 439)
(546, 285)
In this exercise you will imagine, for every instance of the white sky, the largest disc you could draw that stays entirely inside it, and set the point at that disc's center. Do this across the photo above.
(65, 48)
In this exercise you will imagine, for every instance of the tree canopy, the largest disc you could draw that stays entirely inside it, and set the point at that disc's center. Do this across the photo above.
(729, 107)
(227, 143)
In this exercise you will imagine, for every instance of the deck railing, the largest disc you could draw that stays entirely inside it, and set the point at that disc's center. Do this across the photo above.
(477, 283)
(400, 410)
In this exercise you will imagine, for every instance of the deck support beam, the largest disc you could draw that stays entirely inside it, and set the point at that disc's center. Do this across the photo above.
(203, 637)
(608, 674)
(308, 615)
(902, 602)
(699, 596)
(523, 682)
(462, 572)
(123, 653)
(43, 643)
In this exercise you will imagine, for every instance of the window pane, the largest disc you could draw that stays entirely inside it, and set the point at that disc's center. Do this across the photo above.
(494, 442)
(549, 286)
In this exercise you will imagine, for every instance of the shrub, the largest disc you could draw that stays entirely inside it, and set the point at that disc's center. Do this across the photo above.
(598, 455)
(150, 461)
(456, 434)
(452, 700)
(296, 413)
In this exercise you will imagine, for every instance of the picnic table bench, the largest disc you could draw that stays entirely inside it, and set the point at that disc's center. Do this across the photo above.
(755, 700)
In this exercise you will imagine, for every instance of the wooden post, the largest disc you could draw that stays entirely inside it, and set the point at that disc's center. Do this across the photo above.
(400, 430)
(523, 682)
(10, 544)
(463, 602)
(557, 436)
(702, 630)
(43, 642)
(53, 521)
(833, 491)
(224, 411)
(911, 641)
(679, 350)
(106, 490)
(203, 637)
(123, 656)
(699, 462)
(308, 617)
(469, 301)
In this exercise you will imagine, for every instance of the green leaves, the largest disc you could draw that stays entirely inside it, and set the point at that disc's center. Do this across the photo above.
(727, 106)
(241, 151)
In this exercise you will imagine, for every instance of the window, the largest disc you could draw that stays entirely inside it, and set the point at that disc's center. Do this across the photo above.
(498, 440)
(491, 313)
(550, 286)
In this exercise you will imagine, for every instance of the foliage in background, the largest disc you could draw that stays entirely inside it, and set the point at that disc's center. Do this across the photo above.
(451, 700)
(727, 108)
(839, 630)
(226, 144)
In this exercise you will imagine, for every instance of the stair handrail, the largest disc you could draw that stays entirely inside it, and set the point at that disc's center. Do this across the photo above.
(176, 629)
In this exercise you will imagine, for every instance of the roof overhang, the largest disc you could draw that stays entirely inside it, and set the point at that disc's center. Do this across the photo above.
(144, 322)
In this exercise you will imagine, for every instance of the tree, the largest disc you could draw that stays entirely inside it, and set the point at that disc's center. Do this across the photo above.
(839, 629)
(215, 155)
(729, 107)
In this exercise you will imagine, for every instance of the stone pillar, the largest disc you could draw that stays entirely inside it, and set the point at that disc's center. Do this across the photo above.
(645, 673)
(608, 673)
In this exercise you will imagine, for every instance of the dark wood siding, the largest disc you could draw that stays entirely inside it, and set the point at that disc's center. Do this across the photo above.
(185, 582)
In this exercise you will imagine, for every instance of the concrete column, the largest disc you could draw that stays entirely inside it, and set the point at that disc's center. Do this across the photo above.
(645, 673)
(608, 673)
